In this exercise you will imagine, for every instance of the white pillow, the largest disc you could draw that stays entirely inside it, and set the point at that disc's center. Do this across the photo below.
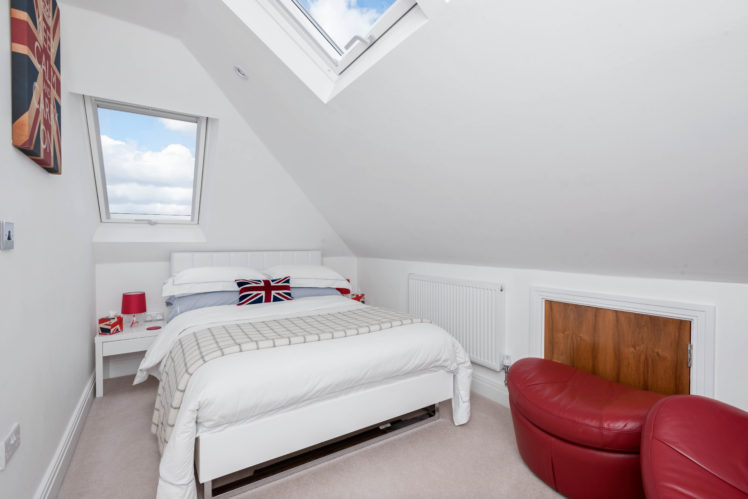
(171, 289)
(208, 280)
(217, 274)
(309, 276)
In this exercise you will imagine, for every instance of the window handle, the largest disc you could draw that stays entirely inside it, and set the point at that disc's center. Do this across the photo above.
(357, 38)
(148, 221)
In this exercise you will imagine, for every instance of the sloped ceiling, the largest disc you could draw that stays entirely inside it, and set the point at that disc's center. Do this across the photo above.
(602, 136)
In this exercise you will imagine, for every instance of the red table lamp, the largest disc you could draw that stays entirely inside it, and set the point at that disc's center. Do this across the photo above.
(133, 304)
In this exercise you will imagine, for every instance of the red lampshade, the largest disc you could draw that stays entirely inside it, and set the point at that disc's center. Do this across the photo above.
(133, 303)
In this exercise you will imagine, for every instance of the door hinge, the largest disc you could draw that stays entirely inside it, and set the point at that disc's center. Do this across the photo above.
(690, 354)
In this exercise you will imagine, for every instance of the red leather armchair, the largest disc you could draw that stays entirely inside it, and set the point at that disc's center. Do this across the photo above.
(695, 447)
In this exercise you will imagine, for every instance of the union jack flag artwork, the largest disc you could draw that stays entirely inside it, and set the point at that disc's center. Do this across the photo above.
(253, 291)
(35, 54)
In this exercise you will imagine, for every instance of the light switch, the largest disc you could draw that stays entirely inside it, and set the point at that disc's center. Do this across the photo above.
(7, 241)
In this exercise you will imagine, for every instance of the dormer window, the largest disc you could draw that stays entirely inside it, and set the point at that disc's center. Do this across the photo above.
(342, 30)
(148, 163)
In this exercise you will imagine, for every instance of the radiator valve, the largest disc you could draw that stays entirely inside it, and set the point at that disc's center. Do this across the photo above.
(506, 363)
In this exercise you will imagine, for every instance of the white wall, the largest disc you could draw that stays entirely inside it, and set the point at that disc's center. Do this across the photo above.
(606, 131)
(46, 286)
(385, 284)
(249, 201)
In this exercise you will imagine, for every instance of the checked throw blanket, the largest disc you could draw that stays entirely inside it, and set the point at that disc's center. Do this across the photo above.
(194, 350)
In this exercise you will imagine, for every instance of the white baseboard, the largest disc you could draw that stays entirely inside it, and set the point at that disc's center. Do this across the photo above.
(52, 480)
(490, 384)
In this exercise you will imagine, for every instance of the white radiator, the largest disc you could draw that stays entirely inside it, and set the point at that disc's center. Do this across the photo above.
(473, 312)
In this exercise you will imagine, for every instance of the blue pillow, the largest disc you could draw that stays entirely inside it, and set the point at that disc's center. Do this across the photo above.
(305, 292)
(182, 304)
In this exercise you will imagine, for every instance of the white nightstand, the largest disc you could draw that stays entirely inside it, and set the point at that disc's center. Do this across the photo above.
(136, 339)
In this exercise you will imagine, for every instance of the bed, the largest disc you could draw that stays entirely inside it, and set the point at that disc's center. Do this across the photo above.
(241, 410)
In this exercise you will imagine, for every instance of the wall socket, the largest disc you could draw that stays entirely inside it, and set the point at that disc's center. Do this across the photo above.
(10, 445)
(8, 235)
(153, 317)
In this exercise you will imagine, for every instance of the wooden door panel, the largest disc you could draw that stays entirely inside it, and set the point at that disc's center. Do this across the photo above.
(643, 351)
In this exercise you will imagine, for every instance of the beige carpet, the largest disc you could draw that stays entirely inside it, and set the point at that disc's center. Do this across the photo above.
(117, 457)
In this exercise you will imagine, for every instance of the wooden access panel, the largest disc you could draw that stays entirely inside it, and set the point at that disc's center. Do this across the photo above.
(643, 351)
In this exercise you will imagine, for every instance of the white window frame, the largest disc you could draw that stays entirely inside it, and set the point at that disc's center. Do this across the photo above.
(339, 58)
(92, 106)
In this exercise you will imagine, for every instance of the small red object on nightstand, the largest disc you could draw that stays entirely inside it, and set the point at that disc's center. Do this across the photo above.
(109, 325)
(361, 297)
(153, 328)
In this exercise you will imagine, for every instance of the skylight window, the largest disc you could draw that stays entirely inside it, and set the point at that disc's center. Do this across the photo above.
(343, 29)
(147, 162)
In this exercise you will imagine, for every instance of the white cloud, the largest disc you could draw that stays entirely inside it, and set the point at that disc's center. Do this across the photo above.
(172, 166)
(179, 126)
(143, 181)
(342, 19)
(139, 193)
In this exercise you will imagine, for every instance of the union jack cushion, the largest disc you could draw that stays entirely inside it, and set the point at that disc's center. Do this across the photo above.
(253, 291)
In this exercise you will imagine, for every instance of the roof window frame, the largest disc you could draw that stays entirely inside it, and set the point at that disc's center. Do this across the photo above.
(339, 58)
(92, 106)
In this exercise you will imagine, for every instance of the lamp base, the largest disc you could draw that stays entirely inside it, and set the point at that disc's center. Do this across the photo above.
(133, 320)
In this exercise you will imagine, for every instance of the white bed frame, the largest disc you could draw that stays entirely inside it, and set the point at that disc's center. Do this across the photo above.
(247, 445)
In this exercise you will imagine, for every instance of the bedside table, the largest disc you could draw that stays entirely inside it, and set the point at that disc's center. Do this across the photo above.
(136, 339)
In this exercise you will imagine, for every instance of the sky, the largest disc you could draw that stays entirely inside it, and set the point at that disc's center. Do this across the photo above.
(342, 19)
(149, 163)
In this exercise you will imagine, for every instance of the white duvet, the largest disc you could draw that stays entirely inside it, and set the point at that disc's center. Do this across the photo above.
(248, 385)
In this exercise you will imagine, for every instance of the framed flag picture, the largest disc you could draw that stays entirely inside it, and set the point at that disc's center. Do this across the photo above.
(35, 57)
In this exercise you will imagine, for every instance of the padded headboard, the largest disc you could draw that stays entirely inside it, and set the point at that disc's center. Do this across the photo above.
(259, 260)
